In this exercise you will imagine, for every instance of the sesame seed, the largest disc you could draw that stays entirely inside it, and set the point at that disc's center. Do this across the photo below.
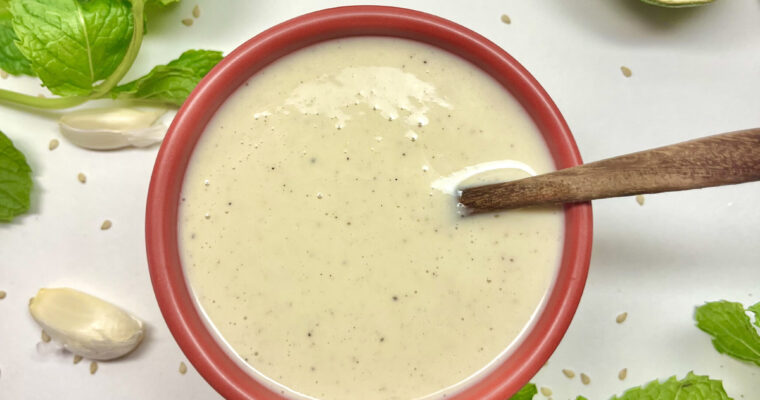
(187, 21)
(623, 373)
(585, 379)
(182, 368)
(53, 144)
(2, 294)
(82, 177)
(569, 373)
(505, 19)
(77, 359)
(93, 367)
(626, 71)
(196, 11)
(640, 200)
(546, 391)
(3, 74)
(45, 337)
(621, 318)
(106, 225)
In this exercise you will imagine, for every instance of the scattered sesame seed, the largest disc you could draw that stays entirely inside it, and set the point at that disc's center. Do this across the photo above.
(77, 358)
(182, 368)
(505, 19)
(82, 177)
(621, 318)
(626, 71)
(196, 11)
(3, 74)
(93, 367)
(569, 373)
(45, 337)
(585, 379)
(2, 294)
(106, 225)
(187, 21)
(622, 374)
(41, 95)
(546, 391)
(53, 144)
(640, 200)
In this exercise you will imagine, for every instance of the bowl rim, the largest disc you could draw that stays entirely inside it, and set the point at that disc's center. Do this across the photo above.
(169, 284)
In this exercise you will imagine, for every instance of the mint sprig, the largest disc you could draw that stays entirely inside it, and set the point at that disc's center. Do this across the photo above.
(526, 393)
(730, 327)
(15, 180)
(692, 387)
(82, 49)
(72, 44)
(173, 82)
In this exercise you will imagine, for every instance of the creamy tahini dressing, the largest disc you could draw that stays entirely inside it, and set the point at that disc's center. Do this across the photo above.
(317, 245)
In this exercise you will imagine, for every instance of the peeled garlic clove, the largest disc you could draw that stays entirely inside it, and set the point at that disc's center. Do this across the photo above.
(114, 128)
(86, 325)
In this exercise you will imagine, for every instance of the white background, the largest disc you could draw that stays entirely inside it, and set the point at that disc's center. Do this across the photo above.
(695, 72)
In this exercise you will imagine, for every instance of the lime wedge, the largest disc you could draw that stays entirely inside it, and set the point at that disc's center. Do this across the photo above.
(677, 3)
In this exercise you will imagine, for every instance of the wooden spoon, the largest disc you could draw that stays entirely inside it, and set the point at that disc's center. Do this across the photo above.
(724, 159)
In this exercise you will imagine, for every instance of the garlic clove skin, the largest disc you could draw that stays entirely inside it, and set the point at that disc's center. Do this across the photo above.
(86, 325)
(116, 127)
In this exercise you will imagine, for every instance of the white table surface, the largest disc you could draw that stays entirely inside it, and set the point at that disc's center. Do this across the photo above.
(695, 72)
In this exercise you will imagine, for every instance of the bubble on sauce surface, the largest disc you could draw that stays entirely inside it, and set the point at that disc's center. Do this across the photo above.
(393, 90)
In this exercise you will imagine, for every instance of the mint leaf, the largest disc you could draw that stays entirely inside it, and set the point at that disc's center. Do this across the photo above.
(731, 329)
(580, 398)
(755, 309)
(11, 59)
(15, 180)
(173, 82)
(526, 393)
(693, 387)
(72, 44)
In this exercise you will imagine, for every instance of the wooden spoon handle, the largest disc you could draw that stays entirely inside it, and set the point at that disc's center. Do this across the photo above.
(723, 159)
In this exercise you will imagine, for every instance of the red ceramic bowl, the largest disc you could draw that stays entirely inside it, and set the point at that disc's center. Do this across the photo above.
(169, 284)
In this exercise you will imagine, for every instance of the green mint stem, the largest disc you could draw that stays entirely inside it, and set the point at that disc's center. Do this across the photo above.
(8, 96)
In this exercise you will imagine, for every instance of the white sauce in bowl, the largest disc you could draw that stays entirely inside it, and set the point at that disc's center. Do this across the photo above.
(315, 243)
